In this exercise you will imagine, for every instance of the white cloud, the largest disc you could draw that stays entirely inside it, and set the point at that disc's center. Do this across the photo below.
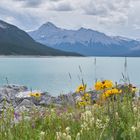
(116, 16)
(30, 3)
(61, 6)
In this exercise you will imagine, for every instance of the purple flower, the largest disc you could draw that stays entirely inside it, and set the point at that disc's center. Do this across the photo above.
(16, 115)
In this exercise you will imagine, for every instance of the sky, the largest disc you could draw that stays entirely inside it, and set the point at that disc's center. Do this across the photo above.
(113, 17)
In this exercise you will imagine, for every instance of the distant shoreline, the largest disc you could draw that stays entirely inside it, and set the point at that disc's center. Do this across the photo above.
(42, 56)
(32, 56)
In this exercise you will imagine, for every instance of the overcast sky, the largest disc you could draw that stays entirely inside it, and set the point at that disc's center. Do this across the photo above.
(113, 17)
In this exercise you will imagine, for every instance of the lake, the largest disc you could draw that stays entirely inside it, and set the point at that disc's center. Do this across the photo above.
(62, 74)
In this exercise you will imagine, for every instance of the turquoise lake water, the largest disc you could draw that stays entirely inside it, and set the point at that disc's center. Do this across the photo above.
(53, 74)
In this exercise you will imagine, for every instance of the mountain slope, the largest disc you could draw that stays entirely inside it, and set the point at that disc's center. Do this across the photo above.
(84, 41)
(14, 41)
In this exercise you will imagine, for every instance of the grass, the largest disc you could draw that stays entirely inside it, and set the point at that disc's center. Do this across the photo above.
(116, 117)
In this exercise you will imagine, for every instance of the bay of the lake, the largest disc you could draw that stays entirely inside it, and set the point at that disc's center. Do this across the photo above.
(62, 74)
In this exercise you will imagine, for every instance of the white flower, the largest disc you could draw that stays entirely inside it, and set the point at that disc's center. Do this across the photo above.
(133, 128)
(86, 116)
(78, 136)
(42, 134)
(82, 126)
(67, 130)
(99, 123)
(107, 120)
(64, 135)
(58, 135)
(68, 137)
(81, 131)
(52, 110)
(91, 122)
(135, 109)
(116, 114)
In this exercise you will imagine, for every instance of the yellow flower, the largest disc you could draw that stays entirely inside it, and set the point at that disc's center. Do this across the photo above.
(134, 89)
(113, 91)
(107, 84)
(96, 105)
(81, 88)
(98, 85)
(82, 103)
(85, 100)
(87, 95)
(110, 92)
(116, 91)
(103, 84)
(36, 94)
(105, 95)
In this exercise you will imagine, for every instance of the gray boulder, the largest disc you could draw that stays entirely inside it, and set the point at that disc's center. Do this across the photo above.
(8, 92)
(46, 100)
(26, 103)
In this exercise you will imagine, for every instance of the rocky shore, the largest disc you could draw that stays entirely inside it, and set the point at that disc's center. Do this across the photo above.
(18, 97)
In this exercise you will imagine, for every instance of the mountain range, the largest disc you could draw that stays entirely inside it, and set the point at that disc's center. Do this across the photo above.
(14, 41)
(63, 42)
(84, 41)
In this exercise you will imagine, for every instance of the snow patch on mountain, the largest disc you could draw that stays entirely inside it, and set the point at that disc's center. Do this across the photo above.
(3, 26)
(50, 34)
(84, 41)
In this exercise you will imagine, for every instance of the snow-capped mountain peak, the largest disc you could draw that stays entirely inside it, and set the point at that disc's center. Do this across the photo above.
(48, 25)
(84, 41)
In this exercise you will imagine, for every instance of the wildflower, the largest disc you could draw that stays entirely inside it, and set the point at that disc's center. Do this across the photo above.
(133, 128)
(105, 95)
(87, 95)
(81, 88)
(81, 131)
(107, 120)
(98, 85)
(52, 110)
(91, 122)
(67, 130)
(82, 103)
(99, 124)
(96, 106)
(78, 136)
(58, 135)
(42, 134)
(84, 126)
(64, 135)
(135, 109)
(110, 92)
(115, 91)
(134, 89)
(68, 137)
(107, 84)
(36, 94)
(86, 116)
(16, 115)
(117, 115)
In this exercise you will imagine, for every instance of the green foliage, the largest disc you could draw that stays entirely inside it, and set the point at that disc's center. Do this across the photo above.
(113, 120)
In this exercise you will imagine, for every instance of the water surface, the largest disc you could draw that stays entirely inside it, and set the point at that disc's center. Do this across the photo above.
(53, 74)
